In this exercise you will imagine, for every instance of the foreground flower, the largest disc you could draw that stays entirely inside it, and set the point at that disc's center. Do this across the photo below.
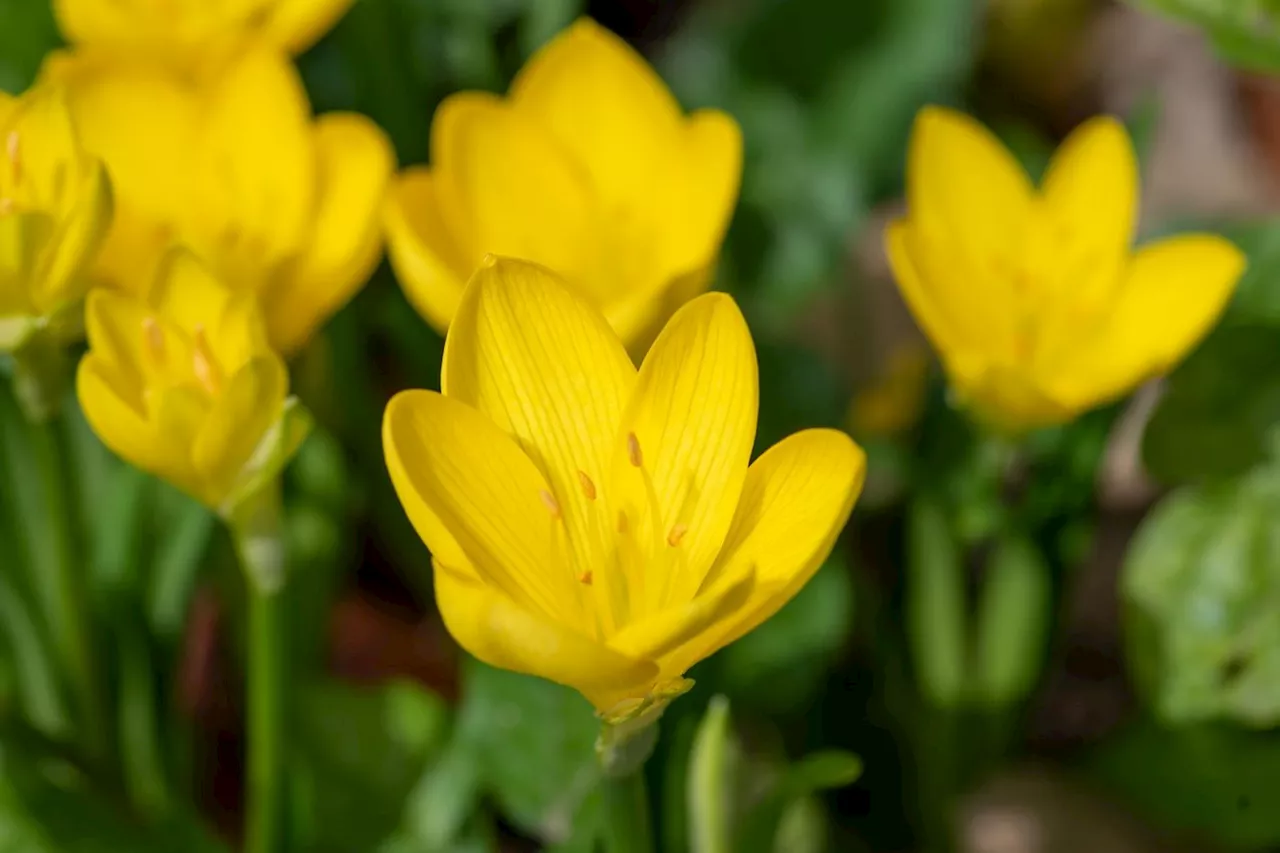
(599, 526)
(192, 34)
(1035, 298)
(182, 383)
(588, 167)
(55, 207)
(273, 201)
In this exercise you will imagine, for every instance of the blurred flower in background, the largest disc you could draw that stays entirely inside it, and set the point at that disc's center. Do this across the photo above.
(587, 166)
(235, 167)
(194, 35)
(55, 207)
(596, 525)
(1035, 299)
(182, 382)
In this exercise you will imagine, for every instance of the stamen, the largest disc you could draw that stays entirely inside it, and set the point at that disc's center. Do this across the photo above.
(588, 487)
(585, 578)
(14, 152)
(154, 337)
(206, 368)
(549, 501)
(633, 450)
(677, 534)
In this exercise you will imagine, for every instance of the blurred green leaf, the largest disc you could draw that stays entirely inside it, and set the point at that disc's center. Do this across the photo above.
(781, 665)
(1219, 407)
(820, 771)
(1257, 296)
(712, 781)
(1014, 616)
(362, 749)
(1201, 583)
(1215, 781)
(1245, 32)
(27, 33)
(935, 605)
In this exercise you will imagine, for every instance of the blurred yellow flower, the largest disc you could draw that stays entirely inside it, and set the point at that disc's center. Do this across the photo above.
(1035, 298)
(589, 167)
(195, 34)
(893, 403)
(597, 525)
(55, 207)
(274, 201)
(181, 382)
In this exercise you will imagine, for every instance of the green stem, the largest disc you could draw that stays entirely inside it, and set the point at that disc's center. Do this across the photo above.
(626, 807)
(68, 615)
(259, 542)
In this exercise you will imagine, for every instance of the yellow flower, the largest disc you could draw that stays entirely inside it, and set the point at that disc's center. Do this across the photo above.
(195, 34)
(588, 167)
(1035, 298)
(274, 201)
(55, 206)
(182, 383)
(594, 524)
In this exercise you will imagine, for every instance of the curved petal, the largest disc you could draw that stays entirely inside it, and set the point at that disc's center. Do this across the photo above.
(507, 187)
(295, 25)
(240, 416)
(690, 425)
(962, 183)
(546, 368)
(504, 634)
(456, 471)
(707, 190)
(1173, 293)
(89, 21)
(354, 161)
(1091, 191)
(256, 165)
(114, 415)
(796, 500)
(662, 635)
(605, 103)
(80, 234)
(428, 265)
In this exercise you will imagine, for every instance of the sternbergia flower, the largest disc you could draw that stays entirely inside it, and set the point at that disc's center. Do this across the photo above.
(589, 167)
(597, 525)
(194, 34)
(182, 382)
(1035, 297)
(55, 207)
(275, 202)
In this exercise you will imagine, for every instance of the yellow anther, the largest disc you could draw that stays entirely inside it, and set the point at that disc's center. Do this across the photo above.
(585, 578)
(154, 337)
(623, 525)
(588, 487)
(677, 534)
(633, 450)
(14, 152)
(206, 368)
(550, 502)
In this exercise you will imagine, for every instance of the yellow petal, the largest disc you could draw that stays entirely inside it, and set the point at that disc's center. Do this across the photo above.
(76, 243)
(796, 500)
(706, 190)
(355, 161)
(427, 262)
(177, 414)
(546, 368)
(1091, 189)
(255, 165)
(475, 482)
(963, 184)
(603, 101)
(189, 295)
(115, 416)
(297, 24)
(114, 327)
(507, 187)
(1172, 295)
(662, 635)
(22, 235)
(143, 124)
(693, 418)
(239, 418)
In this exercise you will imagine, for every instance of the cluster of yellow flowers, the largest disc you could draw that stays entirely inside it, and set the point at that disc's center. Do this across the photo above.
(600, 525)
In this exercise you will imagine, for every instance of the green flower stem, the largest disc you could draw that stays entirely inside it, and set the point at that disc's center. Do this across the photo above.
(65, 594)
(629, 828)
(259, 542)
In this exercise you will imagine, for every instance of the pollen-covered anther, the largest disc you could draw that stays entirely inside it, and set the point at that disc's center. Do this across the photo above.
(588, 485)
(153, 335)
(586, 578)
(634, 453)
(677, 534)
(550, 502)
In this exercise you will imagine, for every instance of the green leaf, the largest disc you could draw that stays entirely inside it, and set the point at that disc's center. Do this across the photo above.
(27, 33)
(361, 751)
(1214, 781)
(1245, 32)
(781, 665)
(764, 822)
(1257, 296)
(1220, 406)
(712, 771)
(935, 605)
(1202, 586)
(1013, 623)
